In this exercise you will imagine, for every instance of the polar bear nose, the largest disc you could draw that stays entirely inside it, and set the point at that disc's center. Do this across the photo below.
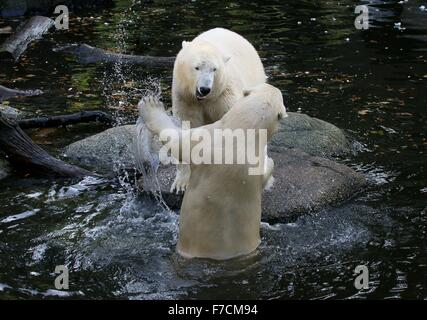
(204, 91)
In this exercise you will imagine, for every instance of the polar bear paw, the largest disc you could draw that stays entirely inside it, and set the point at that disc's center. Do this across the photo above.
(149, 106)
(181, 180)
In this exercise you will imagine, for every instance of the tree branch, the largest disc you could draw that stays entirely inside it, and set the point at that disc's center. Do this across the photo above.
(89, 54)
(64, 120)
(6, 93)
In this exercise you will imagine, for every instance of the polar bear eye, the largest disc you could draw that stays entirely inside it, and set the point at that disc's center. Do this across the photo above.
(197, 68)
(214, 69)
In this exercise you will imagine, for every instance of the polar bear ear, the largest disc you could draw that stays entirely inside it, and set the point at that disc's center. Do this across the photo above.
(226, 58)
(185, 43)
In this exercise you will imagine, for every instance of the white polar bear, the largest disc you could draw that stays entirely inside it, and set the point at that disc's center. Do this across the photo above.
(209, 76)
(221, 210)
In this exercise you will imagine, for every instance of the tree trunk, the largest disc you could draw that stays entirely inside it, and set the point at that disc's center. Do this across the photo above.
(25, 154)
(32, 29)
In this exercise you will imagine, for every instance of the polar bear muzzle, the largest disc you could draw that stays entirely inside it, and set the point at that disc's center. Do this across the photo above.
(205, 81)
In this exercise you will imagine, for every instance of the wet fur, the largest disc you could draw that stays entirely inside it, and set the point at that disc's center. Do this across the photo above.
(221, 211)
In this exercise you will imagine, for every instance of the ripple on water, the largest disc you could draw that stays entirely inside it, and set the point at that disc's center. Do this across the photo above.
(136, 241)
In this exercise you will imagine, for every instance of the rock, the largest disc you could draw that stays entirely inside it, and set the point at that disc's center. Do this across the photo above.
(313, 136)
(298, 131)
(303, 183)
(165, 177)
(105, 151)
(4, 169)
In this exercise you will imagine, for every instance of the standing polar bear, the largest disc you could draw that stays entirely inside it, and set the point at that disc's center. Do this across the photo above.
(221, 210)
(209, 76)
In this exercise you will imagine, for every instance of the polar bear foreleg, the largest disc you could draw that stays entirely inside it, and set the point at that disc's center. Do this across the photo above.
(157, 120)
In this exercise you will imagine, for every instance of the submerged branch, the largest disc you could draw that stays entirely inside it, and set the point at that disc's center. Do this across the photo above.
(64, 120)
(89, 54)
(6, 93)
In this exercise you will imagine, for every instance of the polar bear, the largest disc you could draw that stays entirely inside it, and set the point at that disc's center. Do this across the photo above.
(221, 210)
(209, 76)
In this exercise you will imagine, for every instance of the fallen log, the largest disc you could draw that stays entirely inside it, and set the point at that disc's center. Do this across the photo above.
(88, 54)
(29, 31)
(6, 30)
(64, 120)
(25, 154)
(6, 93)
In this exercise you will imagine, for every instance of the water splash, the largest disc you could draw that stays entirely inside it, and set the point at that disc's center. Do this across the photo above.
(147, 159)
(123, 82)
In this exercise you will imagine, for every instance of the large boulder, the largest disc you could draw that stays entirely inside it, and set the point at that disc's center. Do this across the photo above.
(105, 151)
(303, 182)
(311, 135)
(298, 131)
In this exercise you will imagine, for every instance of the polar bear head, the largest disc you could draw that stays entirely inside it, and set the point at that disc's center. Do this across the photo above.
(200, 70)
(261, 107)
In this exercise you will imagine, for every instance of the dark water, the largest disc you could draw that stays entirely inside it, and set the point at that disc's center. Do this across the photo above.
(118, 245)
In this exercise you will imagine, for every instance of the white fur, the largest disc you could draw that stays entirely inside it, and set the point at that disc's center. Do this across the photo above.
(237, 66)
(221, 211)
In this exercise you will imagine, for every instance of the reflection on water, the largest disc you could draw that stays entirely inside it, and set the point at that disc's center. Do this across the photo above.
(119, 244)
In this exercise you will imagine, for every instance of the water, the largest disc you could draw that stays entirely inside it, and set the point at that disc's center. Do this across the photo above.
(119, 244)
